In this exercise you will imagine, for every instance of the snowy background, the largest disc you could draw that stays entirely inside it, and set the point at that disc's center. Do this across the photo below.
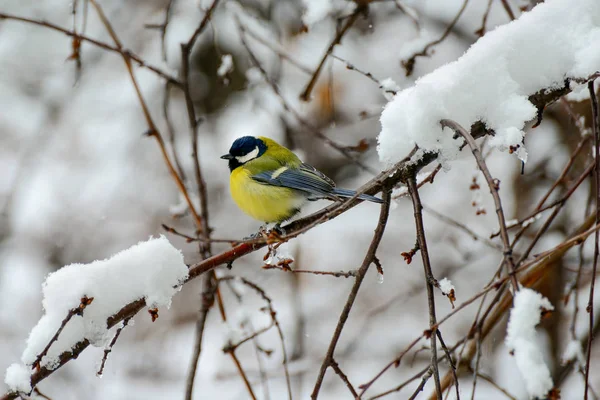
(80, 182)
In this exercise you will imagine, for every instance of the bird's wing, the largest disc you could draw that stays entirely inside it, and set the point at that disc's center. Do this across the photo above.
(305, 178)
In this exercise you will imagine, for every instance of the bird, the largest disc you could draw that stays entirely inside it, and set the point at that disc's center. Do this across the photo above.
(270, 183)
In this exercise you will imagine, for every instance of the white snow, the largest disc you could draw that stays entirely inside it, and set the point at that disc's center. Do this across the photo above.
(226, 65)
(389, 87)
(18, 378)
(152, 270)
(317, 10)
(573, 352)
(280, 255)
(521, 338)
(446, 286)
(491, 82)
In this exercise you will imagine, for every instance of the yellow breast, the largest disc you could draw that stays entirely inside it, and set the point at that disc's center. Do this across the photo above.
(263, 202)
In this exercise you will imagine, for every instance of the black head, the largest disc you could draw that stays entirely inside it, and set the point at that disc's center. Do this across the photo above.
(243, 150)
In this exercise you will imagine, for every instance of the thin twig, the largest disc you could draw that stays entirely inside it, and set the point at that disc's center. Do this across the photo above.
(76, 36)
(335, 366)
(450, 361)
(590, 305)
(481, 31)
(238, 365)
(421, 386)
(494, 186)
(362, 272)
(508, 10)
(429, 279)
(109, 348)
(85, 301)
(360, 8)
(409, 64)
(233, 346)
(336, 274)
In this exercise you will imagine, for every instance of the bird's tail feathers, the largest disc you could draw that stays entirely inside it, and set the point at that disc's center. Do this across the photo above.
(350, 193)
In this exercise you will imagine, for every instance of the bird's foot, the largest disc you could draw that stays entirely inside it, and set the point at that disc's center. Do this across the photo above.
(262, 232)
(278, 229)
(273, 234)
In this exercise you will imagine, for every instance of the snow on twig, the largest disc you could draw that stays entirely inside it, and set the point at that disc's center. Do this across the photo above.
(151, 270)
(493, 81)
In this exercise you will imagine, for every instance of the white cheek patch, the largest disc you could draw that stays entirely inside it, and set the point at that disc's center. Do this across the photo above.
(250, 156)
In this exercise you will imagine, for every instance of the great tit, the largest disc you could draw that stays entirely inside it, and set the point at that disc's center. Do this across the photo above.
(270, 183)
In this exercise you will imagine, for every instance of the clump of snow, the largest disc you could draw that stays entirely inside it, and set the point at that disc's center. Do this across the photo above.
(253, 75)
(446, 286)
(573, 352)
(18, 378)
(226, 65)
(521, 339)
(280, 255)
(492, 81)
(389, 87)
(152, 270)
(317, 10)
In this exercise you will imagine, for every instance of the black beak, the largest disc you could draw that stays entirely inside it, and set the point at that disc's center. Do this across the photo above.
(227, 157)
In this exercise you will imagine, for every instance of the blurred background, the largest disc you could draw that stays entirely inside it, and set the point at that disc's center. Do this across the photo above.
(80, 181)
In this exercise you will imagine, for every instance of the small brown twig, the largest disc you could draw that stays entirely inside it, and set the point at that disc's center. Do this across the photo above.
(360, 8)
(493, 185)
(362, 272)
(95, 42)
(230, 347)
(39, 393)
(508, 10)
(590, 305)
(190, 239)
(76, 42)
(163, 29)
(366, 74)
(238, 365)
(336, 274)
(409, 65)
(335, 366)
(424, 378)
(85, 301)
(109, 348)
(481, 31)
(450, 361)
(429, 279)
(411, 14)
